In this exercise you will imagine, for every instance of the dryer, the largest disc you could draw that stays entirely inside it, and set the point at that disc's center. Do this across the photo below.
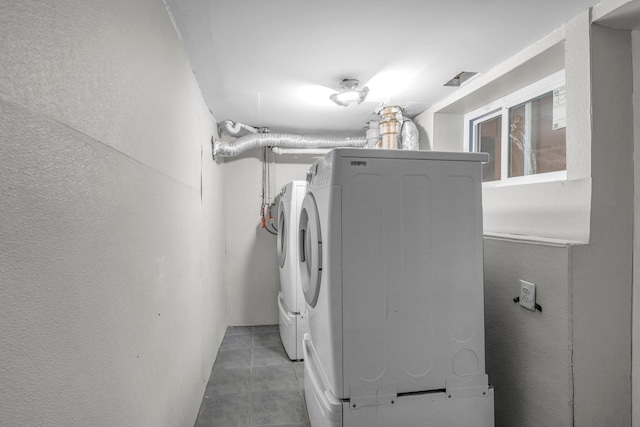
(291, 302)
(391, 267)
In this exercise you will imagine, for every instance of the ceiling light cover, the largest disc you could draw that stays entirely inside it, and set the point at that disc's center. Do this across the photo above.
(349, 93)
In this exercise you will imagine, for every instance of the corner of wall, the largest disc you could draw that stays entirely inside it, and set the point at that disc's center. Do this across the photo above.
(602, 269)
(578, 87)
(424, 123)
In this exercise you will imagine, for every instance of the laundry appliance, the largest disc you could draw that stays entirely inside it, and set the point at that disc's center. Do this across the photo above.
(291, 302)
(391, 263)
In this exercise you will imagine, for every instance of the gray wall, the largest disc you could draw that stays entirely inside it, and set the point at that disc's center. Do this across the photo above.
(602, 270)
(528, 354)
(112, 298)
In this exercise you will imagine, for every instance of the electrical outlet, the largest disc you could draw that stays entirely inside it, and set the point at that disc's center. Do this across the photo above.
(528, 295)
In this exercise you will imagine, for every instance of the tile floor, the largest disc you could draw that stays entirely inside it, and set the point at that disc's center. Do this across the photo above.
(253, 383)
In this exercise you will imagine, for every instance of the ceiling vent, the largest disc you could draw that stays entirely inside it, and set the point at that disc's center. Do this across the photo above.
(461, 78)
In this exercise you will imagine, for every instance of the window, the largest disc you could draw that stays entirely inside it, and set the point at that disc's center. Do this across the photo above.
(489, 134)
(523, 133)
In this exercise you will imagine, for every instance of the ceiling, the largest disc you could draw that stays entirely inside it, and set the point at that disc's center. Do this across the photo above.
(274, 63)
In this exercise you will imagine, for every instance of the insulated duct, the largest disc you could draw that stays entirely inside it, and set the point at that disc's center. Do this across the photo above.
(308, 151)
(232, 128)
(373, 134)
(254, 140)
(410, 136)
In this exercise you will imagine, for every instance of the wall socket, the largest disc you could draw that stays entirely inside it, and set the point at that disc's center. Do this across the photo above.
(528, 295)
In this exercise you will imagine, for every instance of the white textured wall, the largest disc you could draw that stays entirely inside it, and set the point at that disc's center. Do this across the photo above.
(252, 267)
(448, 132)
(605, 7)
(214, 310)
(528, 353)
(602, 270)
(111, 294)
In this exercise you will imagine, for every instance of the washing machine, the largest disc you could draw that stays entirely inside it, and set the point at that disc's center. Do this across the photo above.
(390, 254)
(291, 302)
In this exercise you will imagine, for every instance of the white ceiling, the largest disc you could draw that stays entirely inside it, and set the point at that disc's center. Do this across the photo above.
(274, 63)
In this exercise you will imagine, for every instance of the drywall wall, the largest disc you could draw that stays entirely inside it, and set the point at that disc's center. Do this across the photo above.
(528, 354)
(557, 210)
(251, 266)
(579, 118)
(213, 306)
(624, 126)
(448, 130)
(602, 270)
(623, 14)
(109, 313)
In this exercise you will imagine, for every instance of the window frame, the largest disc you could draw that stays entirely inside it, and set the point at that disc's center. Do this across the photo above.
(474, 141)
(502, 107)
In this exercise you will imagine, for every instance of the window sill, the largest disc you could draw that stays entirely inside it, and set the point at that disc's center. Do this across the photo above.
(521, 238)
(530, 179)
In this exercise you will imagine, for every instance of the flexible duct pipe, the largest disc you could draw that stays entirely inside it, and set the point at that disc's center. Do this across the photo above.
(373, 134)
(309, 151)
(234, 128)
(247, 142)
(410, 136)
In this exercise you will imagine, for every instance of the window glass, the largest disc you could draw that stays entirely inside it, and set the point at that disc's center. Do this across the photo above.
(534, 146)
(490, 141)
(523, 132)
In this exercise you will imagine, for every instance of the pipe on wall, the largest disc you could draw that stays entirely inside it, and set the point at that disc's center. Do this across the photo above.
(308, 151)
(234, 128)
(255, 140)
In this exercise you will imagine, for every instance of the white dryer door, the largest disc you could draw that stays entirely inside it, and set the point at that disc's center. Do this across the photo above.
(310, 249)
(283, 234)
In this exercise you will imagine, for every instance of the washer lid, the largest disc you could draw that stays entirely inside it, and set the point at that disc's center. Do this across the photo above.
(283, 234)
(310, 250)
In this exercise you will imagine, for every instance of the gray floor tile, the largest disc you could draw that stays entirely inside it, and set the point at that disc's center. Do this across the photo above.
(236, 342)
(299, 369)
(253, 383)
(267, 339)
(269, 356)
(229, 381)
(277, 408)
(234, 330)
(224, 411)
(280, 377)
(266, 328)
(233, 359)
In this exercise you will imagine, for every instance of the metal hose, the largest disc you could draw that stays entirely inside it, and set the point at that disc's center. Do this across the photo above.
(233, 128)
(254, 140)
(410, 136)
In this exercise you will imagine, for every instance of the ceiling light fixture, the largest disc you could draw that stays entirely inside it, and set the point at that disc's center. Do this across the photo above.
(349, 93)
